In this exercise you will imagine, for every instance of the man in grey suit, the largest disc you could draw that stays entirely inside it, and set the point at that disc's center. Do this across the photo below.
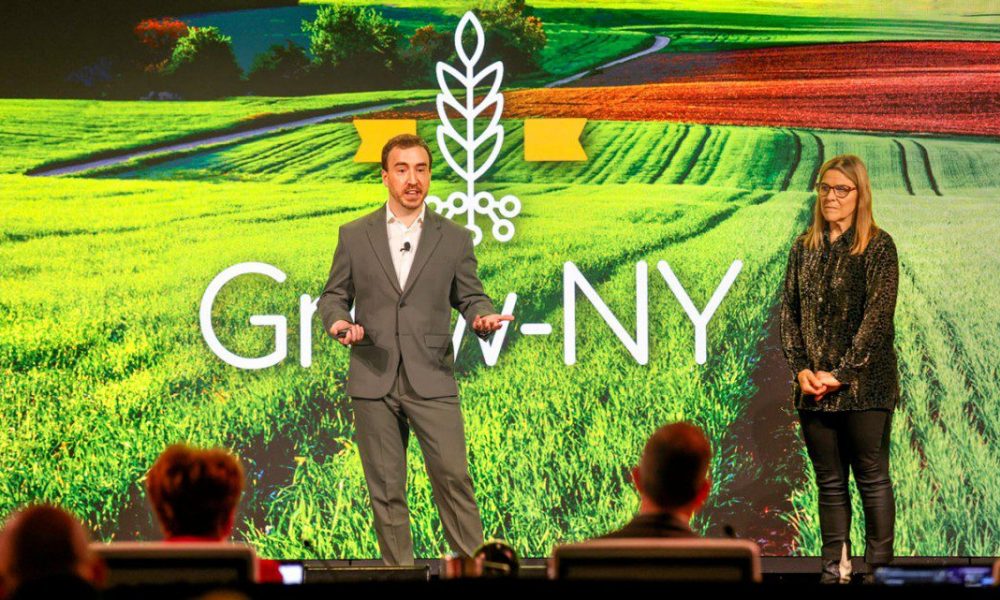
(405, 267)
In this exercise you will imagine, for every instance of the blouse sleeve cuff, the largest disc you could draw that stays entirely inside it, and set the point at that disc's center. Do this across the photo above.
(845, 375)
(798, 366)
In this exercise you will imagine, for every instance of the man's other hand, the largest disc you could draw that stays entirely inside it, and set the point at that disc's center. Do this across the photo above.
(489, 323)
(352, 332)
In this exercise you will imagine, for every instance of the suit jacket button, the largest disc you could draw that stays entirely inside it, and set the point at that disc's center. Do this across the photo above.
(402, 304)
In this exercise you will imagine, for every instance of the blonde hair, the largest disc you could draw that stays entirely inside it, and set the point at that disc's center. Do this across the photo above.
(864, 222)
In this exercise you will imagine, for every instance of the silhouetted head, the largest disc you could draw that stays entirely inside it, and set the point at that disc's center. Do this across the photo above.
(44, 542)
(672, 475)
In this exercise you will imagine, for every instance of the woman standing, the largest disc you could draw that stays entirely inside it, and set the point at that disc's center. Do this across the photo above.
(837, 334)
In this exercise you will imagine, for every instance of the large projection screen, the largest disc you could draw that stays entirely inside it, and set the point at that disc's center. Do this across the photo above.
(149, 215)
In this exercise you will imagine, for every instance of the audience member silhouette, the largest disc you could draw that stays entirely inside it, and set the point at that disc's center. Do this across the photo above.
(673, 483)
(44, 553)
(194, 493)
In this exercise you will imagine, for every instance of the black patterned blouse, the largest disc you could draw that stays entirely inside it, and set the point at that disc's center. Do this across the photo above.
(837, 316)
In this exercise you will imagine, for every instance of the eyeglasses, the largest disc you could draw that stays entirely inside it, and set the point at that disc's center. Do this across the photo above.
(841, 191)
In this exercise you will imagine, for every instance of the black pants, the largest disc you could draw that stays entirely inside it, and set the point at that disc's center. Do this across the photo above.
(859, 441)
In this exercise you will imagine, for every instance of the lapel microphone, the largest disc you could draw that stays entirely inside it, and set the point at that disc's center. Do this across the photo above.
(406, 247)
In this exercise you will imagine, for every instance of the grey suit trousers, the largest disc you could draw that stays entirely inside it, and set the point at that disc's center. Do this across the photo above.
(383, 432)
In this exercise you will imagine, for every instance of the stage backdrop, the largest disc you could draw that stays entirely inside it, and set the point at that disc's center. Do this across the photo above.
(158, 277)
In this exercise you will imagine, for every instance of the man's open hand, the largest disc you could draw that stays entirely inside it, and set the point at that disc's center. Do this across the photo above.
(490, 323)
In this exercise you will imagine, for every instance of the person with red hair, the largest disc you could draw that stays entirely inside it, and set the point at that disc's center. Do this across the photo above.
(194, 493)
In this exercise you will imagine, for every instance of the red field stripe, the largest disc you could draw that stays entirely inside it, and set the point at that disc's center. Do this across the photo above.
(859, 59)
(957, 103)
(909, 87)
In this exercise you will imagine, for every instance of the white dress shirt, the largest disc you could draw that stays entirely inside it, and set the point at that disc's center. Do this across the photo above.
(399, 234)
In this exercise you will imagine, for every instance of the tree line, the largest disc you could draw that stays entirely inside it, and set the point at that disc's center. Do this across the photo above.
(129, 50)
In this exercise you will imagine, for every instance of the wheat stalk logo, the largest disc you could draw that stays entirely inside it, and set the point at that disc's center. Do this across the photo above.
(470, 201)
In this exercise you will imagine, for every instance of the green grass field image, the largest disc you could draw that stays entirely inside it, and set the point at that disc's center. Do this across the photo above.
(102, 273)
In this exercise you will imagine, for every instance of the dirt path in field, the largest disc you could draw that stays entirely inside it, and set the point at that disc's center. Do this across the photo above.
(659, 43)
(204, 141)
(766, 439)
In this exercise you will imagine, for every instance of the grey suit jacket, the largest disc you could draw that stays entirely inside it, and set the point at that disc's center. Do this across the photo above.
(410, 324)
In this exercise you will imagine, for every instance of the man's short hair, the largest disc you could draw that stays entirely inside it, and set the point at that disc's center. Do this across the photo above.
(404, 141)
(674, 464)
(43, 541)
(194, 492)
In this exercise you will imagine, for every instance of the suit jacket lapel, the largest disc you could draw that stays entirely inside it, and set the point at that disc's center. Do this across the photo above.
(379, 239)
(430, 235)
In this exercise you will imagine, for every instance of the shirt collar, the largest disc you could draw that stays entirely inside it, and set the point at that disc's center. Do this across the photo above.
(665, 518)
(391, 218)
(847, 237)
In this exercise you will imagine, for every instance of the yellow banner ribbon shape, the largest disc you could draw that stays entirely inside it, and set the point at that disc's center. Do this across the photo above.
(545, 140)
